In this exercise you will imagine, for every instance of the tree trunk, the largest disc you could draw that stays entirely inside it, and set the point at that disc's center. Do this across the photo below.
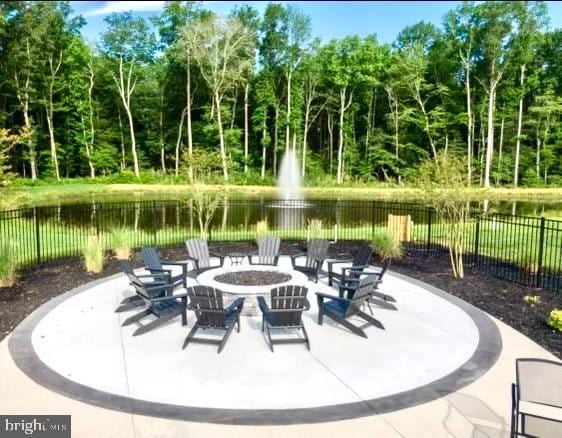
(500, 152)
(275, 140)
(470, 129)
(221, 136)
(90, 143)
(330, 123)
(161, 126)
(54, 69)
(263, 146)
(288, 118)
(246, 133)
(133, 142)
(178, 143)
(304, 137)
(519, 126)
(23, 98)
(490, 141)
(188, 120)
(123, 162)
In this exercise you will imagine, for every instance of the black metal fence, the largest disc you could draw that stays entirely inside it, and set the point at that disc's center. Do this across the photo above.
(527, 250)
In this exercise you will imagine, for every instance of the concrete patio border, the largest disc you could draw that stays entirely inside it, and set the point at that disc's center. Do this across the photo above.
(487, 352)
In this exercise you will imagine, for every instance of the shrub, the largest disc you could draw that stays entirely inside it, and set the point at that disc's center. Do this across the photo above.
(386, 246)
(120, 242)
(205, 205)
(314, 229)
(262, 228)
(532, 299)
(554, 319)
(93, 253)
(7, 263)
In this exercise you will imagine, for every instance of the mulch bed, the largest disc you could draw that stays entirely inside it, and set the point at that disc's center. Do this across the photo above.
(253, 278)
(500, 298)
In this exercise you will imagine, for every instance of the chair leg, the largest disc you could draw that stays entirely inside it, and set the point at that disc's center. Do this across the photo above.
(184, 311)
(269, 338)
(225, 338)
(189, 336)
(153, 324)
(306, 338)
(320, 310)
(136, 317)
(348, 325)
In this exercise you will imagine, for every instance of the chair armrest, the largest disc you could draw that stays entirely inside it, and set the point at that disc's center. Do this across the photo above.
(237, 302)
(331, 297)
(169, 297)
(214, 254)
(333, 262)
(355, 268)
(262, 304)
(365, 272)
(300, 254)
(152, 276)
(176, 263)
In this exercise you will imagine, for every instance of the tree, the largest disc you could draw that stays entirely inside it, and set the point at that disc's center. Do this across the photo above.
(129, 45)
(218, 46)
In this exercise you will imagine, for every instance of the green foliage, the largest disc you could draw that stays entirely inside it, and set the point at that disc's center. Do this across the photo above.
(532, 299)
(93, 253)
(8, 263)
(554, 319)
(386, 246)
(120, 242)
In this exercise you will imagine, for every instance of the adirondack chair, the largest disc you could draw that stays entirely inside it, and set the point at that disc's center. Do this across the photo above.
(538, 383)
(287, 305)
(207, 303)
(151, 281)
(360, 262)
(379, 274)
(316, 253)
(164, 307)
(268, 251)
(154, 264)
(342, 309)
(199, 254)
(378, 298)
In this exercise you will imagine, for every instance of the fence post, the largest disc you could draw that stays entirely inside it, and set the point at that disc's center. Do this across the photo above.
(429, 218)
(477, 241)
(541, 253)
(37, 234)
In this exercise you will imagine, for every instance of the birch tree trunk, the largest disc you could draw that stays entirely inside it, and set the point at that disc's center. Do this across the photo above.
(246, 133)
(288, 118)
(500, 152)
(519, 126)
(221, 136)
(263, 146)
(22, 92)
(330, 123)
(161, 134)
(123, 163)
(49, 109)
(275, 139)
(91, 140)
(188, 104)
(178, 144)
(344, 105)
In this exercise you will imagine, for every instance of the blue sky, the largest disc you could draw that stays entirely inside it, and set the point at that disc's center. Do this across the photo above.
(330, 19)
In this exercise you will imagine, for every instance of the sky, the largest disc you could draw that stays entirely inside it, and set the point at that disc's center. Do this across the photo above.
(329, 19)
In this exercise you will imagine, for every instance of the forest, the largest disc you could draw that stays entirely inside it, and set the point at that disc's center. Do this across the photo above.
(191, 96)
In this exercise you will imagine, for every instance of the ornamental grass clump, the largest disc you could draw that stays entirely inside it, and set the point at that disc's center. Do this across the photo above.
(262, 228)
(120, 243)
(93, 253)
(386, 246)
(314, 229)
(7, 263)
(554, 319)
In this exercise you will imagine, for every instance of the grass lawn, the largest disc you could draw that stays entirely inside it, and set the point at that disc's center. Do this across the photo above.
(56, 194)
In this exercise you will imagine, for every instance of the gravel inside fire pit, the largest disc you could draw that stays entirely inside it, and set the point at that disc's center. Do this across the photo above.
(253, 278)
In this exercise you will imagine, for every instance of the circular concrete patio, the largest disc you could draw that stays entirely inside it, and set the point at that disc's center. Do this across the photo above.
(432, 345)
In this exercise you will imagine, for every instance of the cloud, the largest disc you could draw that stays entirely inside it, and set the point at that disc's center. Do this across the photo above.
(123, 6)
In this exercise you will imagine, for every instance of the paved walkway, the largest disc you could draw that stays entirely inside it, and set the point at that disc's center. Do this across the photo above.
(483, 404)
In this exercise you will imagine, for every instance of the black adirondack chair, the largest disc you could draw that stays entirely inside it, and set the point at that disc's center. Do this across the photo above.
(287, 305)
(268, 251)
(378, 298)
(360, 262)
(199, 254)
(151, 281)
(538, 382)
(379, 273)
(207, 303)
(155, 265)
(164, 307)
(316, 253)
(342, 309)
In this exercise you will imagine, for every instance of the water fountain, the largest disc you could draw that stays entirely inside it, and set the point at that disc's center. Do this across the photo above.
(289, 183)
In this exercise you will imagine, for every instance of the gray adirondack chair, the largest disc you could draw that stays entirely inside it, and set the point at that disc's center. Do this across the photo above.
(287, 305)
(156, 284)
(341, 309)
(268, 251)
(378, 298)
(360, 262)
(155, 265)
(163, 307)
(316, 253)
(539, 382)
(207, 303)
(198, 253)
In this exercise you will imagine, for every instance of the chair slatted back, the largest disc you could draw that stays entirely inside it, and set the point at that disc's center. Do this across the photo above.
(539, 381)
(151, 258)
(316, 252)
(362, 293)
(208, 305)
(290, 297)
(363, 257)
(136, 282)
(199, 249)
(268, 249)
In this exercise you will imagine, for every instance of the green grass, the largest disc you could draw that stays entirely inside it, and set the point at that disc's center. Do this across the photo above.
(56, 194)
